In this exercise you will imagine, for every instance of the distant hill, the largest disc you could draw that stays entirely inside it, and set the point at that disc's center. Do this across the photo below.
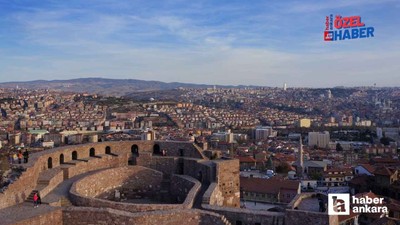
(116, 87)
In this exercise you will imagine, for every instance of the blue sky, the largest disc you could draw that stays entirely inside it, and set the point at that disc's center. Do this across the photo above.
(214, 42)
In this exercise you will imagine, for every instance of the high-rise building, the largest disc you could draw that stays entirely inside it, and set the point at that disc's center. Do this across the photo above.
(305, 123)
(261, 133)
(224, 136)
(148, 135)
(319, 139)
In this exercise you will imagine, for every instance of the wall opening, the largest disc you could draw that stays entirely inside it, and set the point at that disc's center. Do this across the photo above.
(135, 154)
(74, 155)
(92, 152)
(135, 150)
(108, 150)
(156, 149)
(50, 163)
(180, 168)
(62, 159)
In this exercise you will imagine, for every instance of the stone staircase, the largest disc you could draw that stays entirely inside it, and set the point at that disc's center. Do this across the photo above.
(65, 202)
(225, 220)
(164, 189)
(30, 197)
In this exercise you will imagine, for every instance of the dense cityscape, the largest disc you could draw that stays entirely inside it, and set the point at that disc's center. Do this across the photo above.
(288, 141)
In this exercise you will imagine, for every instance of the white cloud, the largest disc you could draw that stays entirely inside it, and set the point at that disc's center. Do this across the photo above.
(175, 47)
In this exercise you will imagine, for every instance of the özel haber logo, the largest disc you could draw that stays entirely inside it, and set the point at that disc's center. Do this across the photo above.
(339, 204)
(343, 28)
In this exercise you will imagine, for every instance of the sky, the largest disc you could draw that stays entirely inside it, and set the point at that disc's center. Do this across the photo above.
(231, 42)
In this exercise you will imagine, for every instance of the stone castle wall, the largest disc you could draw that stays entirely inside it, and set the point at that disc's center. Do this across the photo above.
(184, 189)
(249, 217)
(18, 191)
(54, 217)
(55, 178)
(122, 150)
(135, 177)
(213, 196)
(89, 216)
(299, 217)
(227, 173)
(85, 191)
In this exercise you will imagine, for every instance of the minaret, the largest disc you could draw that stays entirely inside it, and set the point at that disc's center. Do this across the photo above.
(300, 165)
(329, 94)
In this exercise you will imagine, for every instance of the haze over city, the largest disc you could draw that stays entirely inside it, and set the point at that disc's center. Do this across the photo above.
(224, 42)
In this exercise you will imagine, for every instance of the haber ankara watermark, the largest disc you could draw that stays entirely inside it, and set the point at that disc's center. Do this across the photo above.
(339, 204)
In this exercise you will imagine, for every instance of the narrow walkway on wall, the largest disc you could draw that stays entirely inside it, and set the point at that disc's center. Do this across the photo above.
(61, 192)
(23, 211)
(199, 197)
(58, 196)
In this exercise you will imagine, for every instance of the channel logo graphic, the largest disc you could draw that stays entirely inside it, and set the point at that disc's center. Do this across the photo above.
(328, 36)
(339, 204)
(340, 28)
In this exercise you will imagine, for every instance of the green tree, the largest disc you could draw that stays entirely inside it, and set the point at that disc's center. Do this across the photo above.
(386, 140)
(270, 163)
(283, 167)
(339, 147)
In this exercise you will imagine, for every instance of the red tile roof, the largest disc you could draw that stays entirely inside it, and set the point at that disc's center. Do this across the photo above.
(267, 186)
(246, 159)
(370, 168)
(383, 171)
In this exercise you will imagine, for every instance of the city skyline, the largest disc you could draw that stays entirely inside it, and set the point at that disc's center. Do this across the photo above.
(224, 43)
